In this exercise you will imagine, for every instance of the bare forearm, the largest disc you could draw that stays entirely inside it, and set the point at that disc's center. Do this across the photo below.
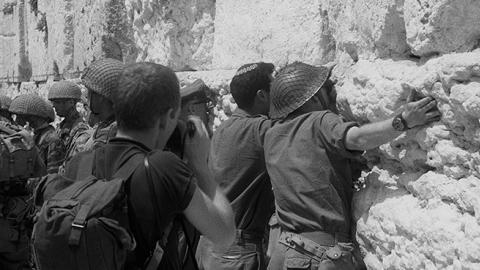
(213, 217)
(205, 180)
(371, 135)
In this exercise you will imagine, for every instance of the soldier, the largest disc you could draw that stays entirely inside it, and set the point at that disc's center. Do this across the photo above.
(17, 165)
(308, 153)
(38, 113)
(101, 80)
(194, 101)
(64, 96)
(238, 166)
(5, 114)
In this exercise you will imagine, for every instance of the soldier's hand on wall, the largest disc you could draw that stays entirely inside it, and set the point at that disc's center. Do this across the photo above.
(421, 111)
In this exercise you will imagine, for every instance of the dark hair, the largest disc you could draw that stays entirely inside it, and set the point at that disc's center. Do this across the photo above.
(146, 91)
(248, 80)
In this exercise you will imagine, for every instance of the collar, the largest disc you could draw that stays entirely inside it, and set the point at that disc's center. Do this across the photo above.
(118, 140)
(41, 129)
(70, 119)
(107, 122)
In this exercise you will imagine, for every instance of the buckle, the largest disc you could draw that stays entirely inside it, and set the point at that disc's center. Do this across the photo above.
(78, 226)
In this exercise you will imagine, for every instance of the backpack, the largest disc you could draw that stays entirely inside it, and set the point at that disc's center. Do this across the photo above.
(85, 226)
(17, 160)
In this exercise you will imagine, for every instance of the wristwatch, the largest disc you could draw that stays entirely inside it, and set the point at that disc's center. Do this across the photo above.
(399, 123)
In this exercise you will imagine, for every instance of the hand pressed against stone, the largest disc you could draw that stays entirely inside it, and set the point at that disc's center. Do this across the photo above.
(421, 112)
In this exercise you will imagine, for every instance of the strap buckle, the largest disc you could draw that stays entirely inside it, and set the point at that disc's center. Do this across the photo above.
(78, 225)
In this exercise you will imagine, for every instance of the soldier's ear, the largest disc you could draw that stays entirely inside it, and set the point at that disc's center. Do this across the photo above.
(263, 95)
(190, 108)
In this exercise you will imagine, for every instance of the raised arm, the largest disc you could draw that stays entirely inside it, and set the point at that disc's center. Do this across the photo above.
(209, 211)
(416, 113)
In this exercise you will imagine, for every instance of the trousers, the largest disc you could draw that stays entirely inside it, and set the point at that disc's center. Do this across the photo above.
(244, 254)
(14, 235)
(294, 251)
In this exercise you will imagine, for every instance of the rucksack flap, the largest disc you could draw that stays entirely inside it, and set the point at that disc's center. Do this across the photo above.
(17, 158)
(80, 165)
(85, 226)
(48, 186)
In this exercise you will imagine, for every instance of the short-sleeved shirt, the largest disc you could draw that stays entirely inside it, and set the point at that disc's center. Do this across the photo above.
(173, 182)
(50, 147)
(238, 165)
(309, 167)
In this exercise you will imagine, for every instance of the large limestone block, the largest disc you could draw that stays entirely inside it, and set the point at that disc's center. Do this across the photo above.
(14, 61)
(367, 29)
(174, 33)
(57, 41)
(101, 29)
(9, 41)
(42, 22)
(421, 205)
(442, 26)
(402, 231)
(271, 31)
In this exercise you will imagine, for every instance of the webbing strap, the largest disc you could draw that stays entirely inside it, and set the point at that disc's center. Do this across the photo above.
(156, 256)
(78, 225)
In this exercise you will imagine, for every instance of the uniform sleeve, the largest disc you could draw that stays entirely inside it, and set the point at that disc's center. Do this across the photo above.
(176, 184)
(55, 155)
(332, 131)
(263, 126)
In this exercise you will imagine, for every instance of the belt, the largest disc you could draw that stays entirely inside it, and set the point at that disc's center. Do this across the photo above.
(249, 236)
(314, 243)
(326, 239)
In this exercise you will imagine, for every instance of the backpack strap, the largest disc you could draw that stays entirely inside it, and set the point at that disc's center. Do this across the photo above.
(156, 255)
(190, 249)
(79, 222)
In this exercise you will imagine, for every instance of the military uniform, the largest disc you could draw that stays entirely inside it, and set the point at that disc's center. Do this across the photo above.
(16, 212)
(101, 135)
(73, 131)
(102, 77)
(5, 114)
(50, 146)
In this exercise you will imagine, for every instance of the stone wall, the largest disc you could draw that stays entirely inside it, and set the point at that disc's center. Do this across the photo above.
(420, 204)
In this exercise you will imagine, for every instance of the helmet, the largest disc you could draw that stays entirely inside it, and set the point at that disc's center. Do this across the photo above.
(196, 90)
(294, 85)
(102, 76)
(64, 90)
(32, 104)
(5, 102)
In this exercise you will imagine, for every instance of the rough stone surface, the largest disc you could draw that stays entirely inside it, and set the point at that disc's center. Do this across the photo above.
(442, 26)
(273, 31)
(174, 33)
(366, 29)
(420, 207)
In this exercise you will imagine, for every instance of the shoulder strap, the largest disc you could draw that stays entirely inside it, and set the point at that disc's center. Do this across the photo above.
(190, 250)
(151, 188)
(128, 169)
(156, 255)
